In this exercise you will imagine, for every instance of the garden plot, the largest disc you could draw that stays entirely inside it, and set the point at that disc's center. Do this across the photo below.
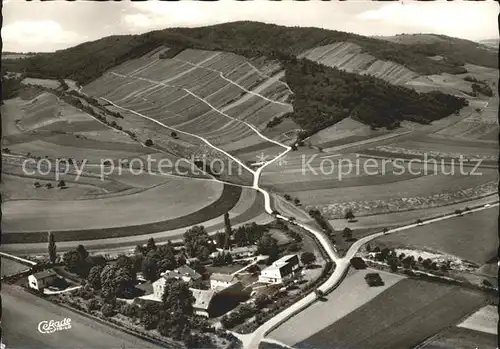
(176, 198)
(473, 237)
(352, 293)
(401, 317)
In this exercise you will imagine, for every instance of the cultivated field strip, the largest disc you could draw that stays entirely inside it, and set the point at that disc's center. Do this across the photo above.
(352, 294)
(401, 317)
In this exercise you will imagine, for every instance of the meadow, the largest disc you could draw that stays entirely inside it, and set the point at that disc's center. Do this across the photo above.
(472, 237)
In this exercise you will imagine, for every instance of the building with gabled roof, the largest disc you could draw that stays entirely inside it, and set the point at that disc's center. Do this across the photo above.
(202, 301)
(221, 280)
(42, 279)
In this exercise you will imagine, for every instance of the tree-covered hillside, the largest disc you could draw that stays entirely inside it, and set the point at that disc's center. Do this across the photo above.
(87, 61)
(323, 96)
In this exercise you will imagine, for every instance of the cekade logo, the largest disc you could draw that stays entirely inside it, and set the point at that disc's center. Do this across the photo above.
(53, 326)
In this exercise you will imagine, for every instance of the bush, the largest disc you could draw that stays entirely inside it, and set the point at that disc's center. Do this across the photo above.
(148, 143)
(129, 310)
(107, 310)
(374, 279)
(92, 305)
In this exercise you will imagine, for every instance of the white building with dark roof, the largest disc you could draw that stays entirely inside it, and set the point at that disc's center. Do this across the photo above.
(237, 252)
(220, 281)
(42, 279)
(281, 271)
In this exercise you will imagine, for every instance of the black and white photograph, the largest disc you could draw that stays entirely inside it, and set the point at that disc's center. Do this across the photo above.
(249, 174)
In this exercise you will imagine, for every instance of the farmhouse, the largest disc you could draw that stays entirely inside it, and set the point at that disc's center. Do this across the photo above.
(42, 279)
(281, 271)
(237, 252)
(220, 281)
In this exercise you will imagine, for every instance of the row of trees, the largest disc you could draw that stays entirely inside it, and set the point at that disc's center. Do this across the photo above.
(396, 261)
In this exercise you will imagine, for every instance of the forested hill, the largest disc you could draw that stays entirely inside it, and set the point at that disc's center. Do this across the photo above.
(85, 62)
(323, 95)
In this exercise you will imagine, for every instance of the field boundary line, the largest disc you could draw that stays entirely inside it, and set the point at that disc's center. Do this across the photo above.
(19, 259)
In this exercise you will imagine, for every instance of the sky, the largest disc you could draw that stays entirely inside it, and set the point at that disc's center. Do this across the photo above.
(50, 26)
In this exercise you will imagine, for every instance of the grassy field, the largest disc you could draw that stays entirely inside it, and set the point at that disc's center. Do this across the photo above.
(472, 237)
(218, 207)
(402, 317)
(174, 199)
(352, 294)
(483, 320)
(9, 266)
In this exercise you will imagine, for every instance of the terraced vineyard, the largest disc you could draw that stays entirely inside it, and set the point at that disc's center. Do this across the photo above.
(214, 95)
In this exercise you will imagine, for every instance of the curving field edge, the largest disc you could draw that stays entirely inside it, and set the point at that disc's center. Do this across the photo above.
(228, 199)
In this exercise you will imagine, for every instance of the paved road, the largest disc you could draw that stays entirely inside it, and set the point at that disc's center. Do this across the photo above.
(22, 311)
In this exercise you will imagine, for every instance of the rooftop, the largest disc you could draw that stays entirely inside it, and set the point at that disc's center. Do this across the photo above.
(183, 270)
(202, 298)
(283, 260)
(45, 274)
(222, 277)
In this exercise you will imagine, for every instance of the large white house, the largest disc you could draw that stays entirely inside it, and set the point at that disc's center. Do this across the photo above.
(281, 271)
(42, 279)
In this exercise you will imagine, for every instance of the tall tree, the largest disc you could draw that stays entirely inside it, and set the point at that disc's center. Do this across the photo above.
(52, 248)
(151, 245)
(228, 230)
